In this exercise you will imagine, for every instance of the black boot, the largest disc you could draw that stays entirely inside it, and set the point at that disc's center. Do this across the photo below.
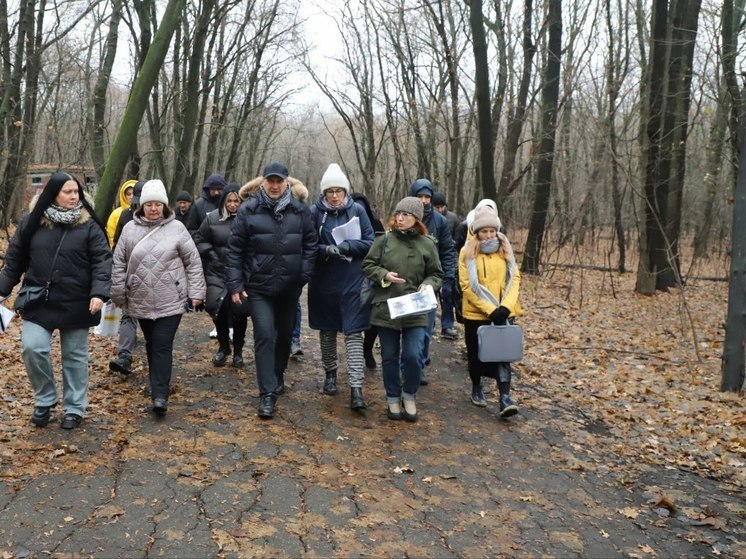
(237, 356)
(356, 399)
(122, 364)
(222, 355)
(330, 383)
(267, 406)
(507, 405)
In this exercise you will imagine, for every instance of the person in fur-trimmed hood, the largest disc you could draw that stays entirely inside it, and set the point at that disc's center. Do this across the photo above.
(61, 250)
(270, 257)
(297, 188)
(300, 193)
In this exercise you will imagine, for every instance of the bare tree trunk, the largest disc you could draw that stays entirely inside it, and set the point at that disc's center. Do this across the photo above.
(549, 100)
(517, 119)
(482, 91)
(98, 127)
(188, 112)
(126, 139)
(735, 326)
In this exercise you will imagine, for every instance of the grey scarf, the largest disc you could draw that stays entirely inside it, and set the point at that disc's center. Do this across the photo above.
(63, 216)
(276, 205)
(481, 291)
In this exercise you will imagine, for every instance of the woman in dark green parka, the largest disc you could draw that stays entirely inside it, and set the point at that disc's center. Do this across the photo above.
(402, 261)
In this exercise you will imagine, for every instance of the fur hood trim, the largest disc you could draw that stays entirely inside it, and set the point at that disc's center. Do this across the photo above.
(298, 189)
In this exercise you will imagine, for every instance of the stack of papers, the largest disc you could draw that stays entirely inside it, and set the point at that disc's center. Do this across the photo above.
(421, 302)
(6, 315)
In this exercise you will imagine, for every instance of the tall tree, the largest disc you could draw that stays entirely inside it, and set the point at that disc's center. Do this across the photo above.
(126, 139)
(549, 101)
(484, 105)
(667, 100)
(734, 363)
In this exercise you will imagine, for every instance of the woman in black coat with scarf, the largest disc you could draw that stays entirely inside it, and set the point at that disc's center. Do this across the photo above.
(212, 244)
(60, 248)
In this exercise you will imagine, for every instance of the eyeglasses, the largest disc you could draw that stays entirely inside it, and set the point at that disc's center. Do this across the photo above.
(402, 214)
(335, 191)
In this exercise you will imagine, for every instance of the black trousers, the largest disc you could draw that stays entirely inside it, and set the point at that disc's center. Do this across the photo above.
(227, 319)
(159, 345)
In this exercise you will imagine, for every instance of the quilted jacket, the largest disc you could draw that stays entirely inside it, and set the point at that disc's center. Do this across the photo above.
(159, 276)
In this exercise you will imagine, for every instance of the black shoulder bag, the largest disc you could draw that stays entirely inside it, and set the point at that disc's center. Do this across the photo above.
(30, 296)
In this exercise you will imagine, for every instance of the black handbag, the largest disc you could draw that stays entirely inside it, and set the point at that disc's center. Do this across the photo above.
(31, 296)
(368, 287)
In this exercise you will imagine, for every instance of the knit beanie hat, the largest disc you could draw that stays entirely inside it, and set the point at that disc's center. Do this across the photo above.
(438, 199)
(184, 196)
(485, 217)
(481, 204)
(421, 186)
(153, 191)
(334, 178)
(411, 205)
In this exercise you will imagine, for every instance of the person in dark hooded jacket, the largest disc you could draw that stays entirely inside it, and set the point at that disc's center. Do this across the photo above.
(61, 248)
(212, 244)
(211, 192)
(271, 254)
(334, 291)
(439, 230)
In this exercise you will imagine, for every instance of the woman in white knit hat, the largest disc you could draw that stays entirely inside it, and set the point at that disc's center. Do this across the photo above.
(157, 275)
(334, 291)
(490, 283)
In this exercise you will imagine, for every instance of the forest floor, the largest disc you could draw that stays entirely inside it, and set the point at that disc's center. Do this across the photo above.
(624, 447)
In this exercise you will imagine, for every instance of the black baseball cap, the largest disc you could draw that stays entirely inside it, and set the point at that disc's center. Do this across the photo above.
(275, 169)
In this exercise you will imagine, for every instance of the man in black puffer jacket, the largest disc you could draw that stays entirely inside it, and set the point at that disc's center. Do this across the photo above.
(271, 254)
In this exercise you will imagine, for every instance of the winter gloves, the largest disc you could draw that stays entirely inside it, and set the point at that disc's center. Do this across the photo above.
(500, 315)
(338, 251)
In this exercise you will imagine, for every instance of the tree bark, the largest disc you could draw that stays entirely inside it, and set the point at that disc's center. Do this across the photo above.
(482, 92)
(549, 101)
(126, 139)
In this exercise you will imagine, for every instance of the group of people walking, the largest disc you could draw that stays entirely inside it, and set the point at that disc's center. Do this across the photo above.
(248, 251)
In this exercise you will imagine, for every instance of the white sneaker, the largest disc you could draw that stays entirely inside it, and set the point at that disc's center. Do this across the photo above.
(214, 334)
(295, 348)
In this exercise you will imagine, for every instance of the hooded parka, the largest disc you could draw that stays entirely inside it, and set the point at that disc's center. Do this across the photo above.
(413, 257)
(212, 243)
(158, 277)
(82, 271)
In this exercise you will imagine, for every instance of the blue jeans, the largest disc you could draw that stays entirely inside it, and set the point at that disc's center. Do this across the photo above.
(401, 349)
(272, 318)
(425, 355)
(37, 347)
(159, 344)
(298, 320)
(446, 310)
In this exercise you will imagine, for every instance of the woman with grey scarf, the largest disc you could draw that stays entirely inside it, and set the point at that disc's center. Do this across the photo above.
(490, 282)
(60, 249)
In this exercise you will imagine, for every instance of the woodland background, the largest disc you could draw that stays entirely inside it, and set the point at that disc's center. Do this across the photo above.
(611, 125)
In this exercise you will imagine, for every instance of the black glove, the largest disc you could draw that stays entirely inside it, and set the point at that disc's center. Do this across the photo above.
(500, 315)
(332, 251)
(344, 248)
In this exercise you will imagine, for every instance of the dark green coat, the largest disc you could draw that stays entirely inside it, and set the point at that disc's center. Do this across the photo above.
(413, 257)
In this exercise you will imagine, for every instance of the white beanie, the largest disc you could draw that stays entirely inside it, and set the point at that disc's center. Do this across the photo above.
(153, 191)
(481, 204)
(334, 178)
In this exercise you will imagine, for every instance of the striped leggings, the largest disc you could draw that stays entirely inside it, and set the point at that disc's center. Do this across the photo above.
(354, 350)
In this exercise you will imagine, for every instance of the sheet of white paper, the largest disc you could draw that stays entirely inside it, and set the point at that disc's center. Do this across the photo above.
(350, 231)
(6, 315)
(415, 303)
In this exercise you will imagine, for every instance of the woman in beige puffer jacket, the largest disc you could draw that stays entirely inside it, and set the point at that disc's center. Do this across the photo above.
(157, 275)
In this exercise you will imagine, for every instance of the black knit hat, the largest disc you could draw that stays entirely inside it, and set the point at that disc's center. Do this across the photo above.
(184, 196)
(438, 199)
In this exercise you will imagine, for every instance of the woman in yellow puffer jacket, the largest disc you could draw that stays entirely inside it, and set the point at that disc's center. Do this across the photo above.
(487, 260)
